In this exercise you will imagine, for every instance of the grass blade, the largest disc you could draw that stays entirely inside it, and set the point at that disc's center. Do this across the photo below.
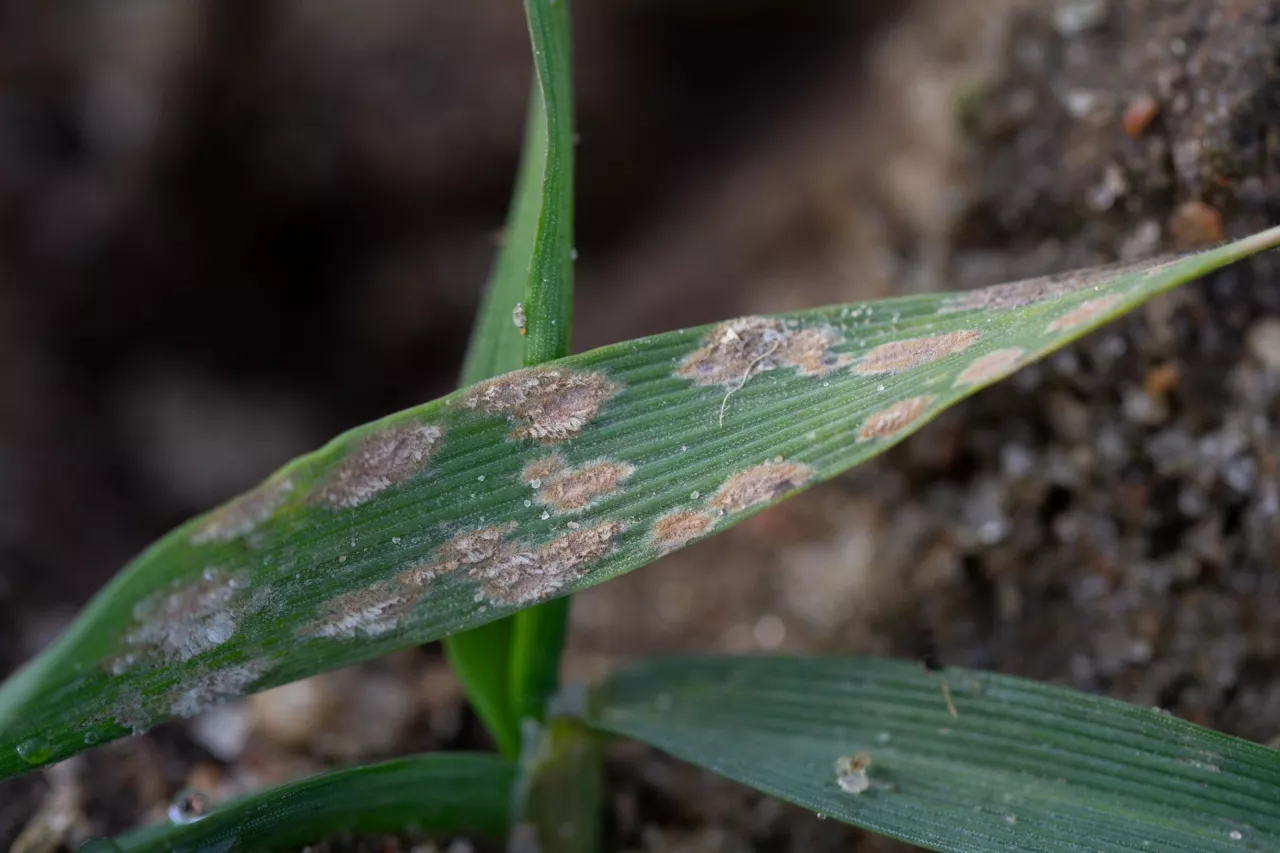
(539, 632)
(530, 486)
(438, 794)
(526, 319)
(1023, 765)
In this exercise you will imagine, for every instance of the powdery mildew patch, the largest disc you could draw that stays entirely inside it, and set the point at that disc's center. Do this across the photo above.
(1084, 313)
(370, 612)
(573, 490)
(196, 693)
(183, 620)
(990, 367)
(379, 461)
(542, 469)
(243, 515)
(760, 484)
(895, 418)
(546, 404)
(735, 350)
(897, 356)
(525, 574)
(212, 687)
(678, 528)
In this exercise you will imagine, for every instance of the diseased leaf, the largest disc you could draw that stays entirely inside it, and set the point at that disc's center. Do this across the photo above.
(439, 794)
(1021, 766)
(531, 485)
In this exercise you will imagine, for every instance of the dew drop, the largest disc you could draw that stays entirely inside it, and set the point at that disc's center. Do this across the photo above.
(34, 751)
(90, 738)
(188, 806)
(1235, 835)
(694, 495)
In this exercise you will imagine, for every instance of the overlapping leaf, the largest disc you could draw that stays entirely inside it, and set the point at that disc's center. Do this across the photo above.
(531, 485)
(1021, 765)
(434, 794)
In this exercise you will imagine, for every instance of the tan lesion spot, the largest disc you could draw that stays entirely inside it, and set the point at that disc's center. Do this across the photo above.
(545, 404)
(677, 529)
(895, 418)
(760, 484)
(1033, 290)
(540, 470)
(372, 611)
(512, 572)
(897, 356)
(735, 350)
(382, 607)
(380, 460)
(1083, 314)
(242, 516)
(523, 574)
(990, 367)
(573, 490)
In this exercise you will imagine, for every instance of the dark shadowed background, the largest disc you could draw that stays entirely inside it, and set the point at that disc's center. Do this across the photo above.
(230, 229)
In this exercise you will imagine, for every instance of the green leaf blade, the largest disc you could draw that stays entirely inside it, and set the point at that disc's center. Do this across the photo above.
(445, 793)
(509, 668)
(1022, 766)
(428, 522)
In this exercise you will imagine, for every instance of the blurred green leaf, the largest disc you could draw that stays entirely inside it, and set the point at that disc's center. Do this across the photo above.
(528, 486)
(1022, 765)
(447, 793)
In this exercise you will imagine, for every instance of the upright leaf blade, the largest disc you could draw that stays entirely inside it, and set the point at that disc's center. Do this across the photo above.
(428, 522)
(509, 668)
(539, 633)
(445, 793)
(1022, 765)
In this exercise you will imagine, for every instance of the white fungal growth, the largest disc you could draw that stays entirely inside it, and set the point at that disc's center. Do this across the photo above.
(380, 460)
(198, 694)
(242, 516)
(545, 404)
(183, 620)
(736, 350)
(369, 612)
(575, 489)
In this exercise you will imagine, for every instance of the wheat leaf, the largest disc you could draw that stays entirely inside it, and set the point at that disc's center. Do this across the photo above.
(528, 486)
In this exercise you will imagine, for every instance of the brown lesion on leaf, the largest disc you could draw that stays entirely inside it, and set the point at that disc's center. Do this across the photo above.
(760, 484)
(523, 574)
(990, 367)
(736, 350)
(1033, 290)
(368, 612)
(242, 516)
(677, 529)
(546, 404)
(573, 490)
(895, 418)
(184, 619)
(1084, 313)
(379, 461)
(539, 471)
(897, 356)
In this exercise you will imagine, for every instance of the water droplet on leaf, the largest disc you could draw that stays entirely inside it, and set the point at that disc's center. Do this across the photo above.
(188, 806)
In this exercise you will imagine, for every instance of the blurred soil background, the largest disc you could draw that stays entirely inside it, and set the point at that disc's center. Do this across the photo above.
(230, 229)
